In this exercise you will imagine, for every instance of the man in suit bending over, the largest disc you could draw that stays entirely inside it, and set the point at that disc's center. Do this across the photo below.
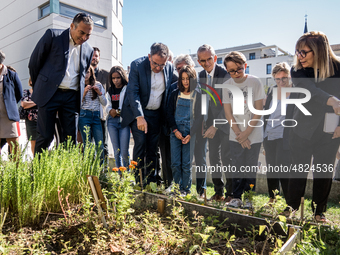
(57, 67)
(144, 106)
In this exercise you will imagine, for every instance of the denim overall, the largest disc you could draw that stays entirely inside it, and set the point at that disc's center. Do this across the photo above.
(180, 153)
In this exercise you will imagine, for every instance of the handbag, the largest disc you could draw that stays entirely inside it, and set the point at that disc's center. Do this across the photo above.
(23, 113)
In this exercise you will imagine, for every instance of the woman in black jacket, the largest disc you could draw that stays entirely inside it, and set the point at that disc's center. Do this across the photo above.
(316, 69)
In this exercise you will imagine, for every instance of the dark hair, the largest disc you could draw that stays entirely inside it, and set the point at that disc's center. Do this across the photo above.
(121, 72)
(92, 82)
(11, 68)
(160, 49)
(96, 49)
(190, 71)
(82, 17)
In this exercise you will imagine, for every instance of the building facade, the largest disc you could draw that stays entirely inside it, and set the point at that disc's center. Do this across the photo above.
(24, 22)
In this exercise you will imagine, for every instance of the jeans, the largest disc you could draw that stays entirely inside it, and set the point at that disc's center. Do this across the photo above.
(246, 163)
(180, 163)
(200, 151)
(120, 138)
(91, 119)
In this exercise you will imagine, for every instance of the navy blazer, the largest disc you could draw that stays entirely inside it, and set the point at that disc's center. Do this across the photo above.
(12, 93)
(220, 76)
(48, 63)
(139, 88)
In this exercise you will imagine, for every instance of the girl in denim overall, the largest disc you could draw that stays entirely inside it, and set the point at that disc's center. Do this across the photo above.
(179, 113)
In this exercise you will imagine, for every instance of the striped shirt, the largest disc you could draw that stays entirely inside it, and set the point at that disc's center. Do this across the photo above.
(94, 105)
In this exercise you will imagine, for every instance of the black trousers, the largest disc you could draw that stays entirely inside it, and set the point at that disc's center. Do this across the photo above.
(145, 148)
(323, 150)
(105, 142)
(276, 156)
(219, 153)
(65, 103)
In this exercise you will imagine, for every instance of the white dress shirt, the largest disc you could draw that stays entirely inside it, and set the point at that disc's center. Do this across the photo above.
(157, 90)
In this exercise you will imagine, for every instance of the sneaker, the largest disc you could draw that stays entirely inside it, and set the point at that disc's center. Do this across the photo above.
(167, 191)
(183, 193)
(228, 199)
(216, 198)
(248, 204)
(235, 202)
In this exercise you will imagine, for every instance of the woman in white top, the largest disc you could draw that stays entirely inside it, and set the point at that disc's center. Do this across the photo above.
(89, 118)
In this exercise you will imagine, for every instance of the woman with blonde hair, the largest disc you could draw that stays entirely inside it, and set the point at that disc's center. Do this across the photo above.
(316, 69)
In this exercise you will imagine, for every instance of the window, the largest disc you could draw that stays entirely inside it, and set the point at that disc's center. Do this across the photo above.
(44, 11)
(114, 46)
(120, 46)
(268, 81)
(251, 56)
(70, 11)
(247, 70)
(219, 60)
(269, 68)
(114, 6)
(120, 12)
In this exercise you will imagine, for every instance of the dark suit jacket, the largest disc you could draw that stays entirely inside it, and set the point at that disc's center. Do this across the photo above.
(217, 112)
(139, 88)
(317, 105)
(48, 63)
(289, 115)
(12, 93)
(102, 76)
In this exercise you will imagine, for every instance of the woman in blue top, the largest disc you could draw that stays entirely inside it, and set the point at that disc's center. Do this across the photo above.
(179, 113)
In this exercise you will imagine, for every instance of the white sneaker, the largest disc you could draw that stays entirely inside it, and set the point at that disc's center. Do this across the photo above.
(248, 204)
(167, 191)
(235, 202)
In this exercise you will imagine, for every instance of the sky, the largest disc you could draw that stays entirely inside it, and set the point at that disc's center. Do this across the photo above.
(184, 25)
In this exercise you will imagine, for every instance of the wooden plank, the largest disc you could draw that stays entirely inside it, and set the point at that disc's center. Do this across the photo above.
(94, 192)
(99, 191)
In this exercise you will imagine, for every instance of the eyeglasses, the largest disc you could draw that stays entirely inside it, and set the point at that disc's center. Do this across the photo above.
(203, 61)
(302, 53)
(283, 79)
(239, 70)
(157, 65)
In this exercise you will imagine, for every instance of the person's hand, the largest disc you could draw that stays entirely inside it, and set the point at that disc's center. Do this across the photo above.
(178, 135)
(242, 136)
(335, 103)
(246, 144)
(142, 125)
(336, 132)
(96, 88)
(186, 139)
(113, 113)
(210, 133)
(87, 88)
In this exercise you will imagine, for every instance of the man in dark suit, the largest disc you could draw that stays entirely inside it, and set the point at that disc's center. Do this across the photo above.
(57, 66)
(102, 77)
(144, 106)
(218, 137)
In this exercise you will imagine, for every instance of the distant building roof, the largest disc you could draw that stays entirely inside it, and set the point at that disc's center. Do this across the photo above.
(335, 47)
(239, 48)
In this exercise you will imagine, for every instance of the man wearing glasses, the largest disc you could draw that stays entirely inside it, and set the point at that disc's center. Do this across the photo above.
(144, 107)
(57, 67)
(218, 137)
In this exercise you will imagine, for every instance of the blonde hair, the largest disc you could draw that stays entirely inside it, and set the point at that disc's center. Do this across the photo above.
(324, 57)
(281, 67)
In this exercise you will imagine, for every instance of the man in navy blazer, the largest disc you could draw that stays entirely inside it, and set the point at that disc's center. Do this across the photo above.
(144, 106)
(219, 152)
(57, 66)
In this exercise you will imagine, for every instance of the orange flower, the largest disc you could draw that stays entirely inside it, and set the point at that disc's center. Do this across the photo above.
(115, 169)
(122, 168)
(134, 163)
(132, 167)
(251, 186)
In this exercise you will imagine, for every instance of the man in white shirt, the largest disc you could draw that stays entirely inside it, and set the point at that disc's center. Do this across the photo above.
(57, 67)
(144, 106)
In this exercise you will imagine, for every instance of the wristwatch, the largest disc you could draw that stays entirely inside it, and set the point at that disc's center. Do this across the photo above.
(118, 111)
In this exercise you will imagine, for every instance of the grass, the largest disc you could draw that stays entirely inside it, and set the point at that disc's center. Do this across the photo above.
(332, 213)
